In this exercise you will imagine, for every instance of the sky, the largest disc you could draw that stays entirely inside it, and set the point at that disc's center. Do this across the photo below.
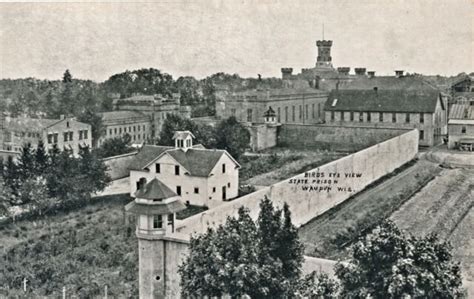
(200, 38)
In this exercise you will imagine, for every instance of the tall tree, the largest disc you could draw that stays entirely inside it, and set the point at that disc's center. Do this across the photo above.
(41, 159)
(173, 123)
(26, 162)
(232, 136)
(389, 264)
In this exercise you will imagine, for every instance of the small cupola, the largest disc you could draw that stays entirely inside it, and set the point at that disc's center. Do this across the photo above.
(270, 116)
(183, 140)
(155, 207)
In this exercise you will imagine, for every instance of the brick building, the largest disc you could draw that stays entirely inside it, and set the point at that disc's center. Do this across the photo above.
(66, 133)
(461, 126)
(118, 123)
(423, 110)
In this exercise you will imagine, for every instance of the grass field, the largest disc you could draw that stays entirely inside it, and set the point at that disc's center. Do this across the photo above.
(329, 235)
(82, 250)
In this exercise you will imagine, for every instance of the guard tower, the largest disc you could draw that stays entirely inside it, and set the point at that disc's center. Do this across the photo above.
(324, 59)
(155, 207)
(270, 116)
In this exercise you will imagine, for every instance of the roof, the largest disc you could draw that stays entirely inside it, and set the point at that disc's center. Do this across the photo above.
(29, 124)
(199, 162)
(386, 83)
(122, 115)
(155, 209)
(278, 92)
(155, 189)
(269, 112)
(146, 154)
(182, 134)
(383, 101)
(462, 111)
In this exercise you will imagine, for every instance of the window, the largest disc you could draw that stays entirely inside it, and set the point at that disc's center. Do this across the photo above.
(228, 185)
(312, 111)
(143, 127)
(249, 115)
(301, 112)
(422, 135)
(342, 115)
(158, 168)
(120, 130)
(110, 132)
(134, 129)
(71, 134)
(213, 189)
(223, 168)
(85, 134)
(361, 117)
(278, 115)
(380, 117)
(332, 115)
(369, 117)
(171, 220)
(67, 124)
(50, 138)
(55, 137)
(407, 117)
(157, 221)
(306, 115)
(293, 112)
(232, 112)
(115, 131)
(196, 190)
(351, 115)
(422, 118)
(65, 136)
(319, 110)
(178, 190)
(176, 169)
(138, 128)
(463, 130)
(394, 117)
(286, 114)
(80, 135)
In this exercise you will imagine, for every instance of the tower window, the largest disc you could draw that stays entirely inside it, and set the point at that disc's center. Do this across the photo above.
(463, 130)
(157, 221)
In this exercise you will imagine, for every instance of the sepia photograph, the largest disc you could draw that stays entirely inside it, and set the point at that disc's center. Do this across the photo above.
(253, 149)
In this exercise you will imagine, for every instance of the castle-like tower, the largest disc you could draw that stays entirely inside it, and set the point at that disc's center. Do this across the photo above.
(159, 251)
(324, 59)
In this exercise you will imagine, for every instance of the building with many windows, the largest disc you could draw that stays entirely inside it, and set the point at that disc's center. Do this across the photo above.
(65, 133)
(461, 126)
(291, 105)
(118, 123)
(423, 110)
(204, 177)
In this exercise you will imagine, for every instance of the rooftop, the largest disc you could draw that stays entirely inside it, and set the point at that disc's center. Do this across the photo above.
(122, 115)
(155, 189)
(199, 162)
(146, 154)
(462, 111)
(383, 101)
(29, 124)
(386, 83)
(182, 134)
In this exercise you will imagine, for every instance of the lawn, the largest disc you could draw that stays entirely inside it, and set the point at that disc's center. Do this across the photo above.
(82, 250)
(277, 164)
(330, 234)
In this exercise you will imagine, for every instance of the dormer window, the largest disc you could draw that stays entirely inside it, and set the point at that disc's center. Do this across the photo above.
(157, 221)
(183, 139)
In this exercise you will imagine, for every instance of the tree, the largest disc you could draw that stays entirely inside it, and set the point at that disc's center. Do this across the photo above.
(388, 264)
(173, 123)
(26, 162)
(115, 146)
(232, 136)
(89, 116)
(41, 159)
(92, 170)
(67, 77)
(243, 257)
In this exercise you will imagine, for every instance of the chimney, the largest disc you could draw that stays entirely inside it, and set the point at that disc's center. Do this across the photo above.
(371, 74)
(399, 73)
(286, 72)
(343, 70)
(360, 71)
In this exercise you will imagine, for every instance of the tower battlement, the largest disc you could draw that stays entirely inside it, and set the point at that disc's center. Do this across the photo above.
(324, 43)
(324, 54)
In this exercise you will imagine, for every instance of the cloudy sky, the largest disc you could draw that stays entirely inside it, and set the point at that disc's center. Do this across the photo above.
(199, 38)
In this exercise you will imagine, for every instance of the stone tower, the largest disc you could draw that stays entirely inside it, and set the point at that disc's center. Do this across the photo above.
(159, 249)
(324, 59)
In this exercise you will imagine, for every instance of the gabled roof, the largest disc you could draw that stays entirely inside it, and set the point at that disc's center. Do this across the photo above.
(29, 124)
(386, 83)
(461, 111)
(155, 189)
(146, 154)
(182, 134)
(383, 101)
(199, 162)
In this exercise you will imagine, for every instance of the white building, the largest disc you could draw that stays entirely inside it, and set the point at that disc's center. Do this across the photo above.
(204, 177)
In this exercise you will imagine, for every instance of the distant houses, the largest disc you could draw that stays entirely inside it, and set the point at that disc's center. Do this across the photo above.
(461, 126)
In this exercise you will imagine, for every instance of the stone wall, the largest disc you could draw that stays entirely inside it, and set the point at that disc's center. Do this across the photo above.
(334, 137)
(309, 197)
(119, 166)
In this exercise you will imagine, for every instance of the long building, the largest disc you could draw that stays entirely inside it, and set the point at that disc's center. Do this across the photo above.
(461, 126)
(119, 123)
(65, 133)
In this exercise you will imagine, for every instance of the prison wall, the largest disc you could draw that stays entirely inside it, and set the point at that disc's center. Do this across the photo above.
(308, 197)
(332, 137)
(118, 167)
